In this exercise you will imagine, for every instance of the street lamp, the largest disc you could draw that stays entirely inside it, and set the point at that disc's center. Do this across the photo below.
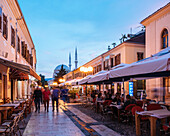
(55, 84)
(61, 80)
(86, 69)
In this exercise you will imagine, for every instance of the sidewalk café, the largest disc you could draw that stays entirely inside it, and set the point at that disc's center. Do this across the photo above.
(146, 110)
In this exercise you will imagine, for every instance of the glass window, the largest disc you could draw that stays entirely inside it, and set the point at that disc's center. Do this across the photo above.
(117, 59)
(139, 56)
(164, 38)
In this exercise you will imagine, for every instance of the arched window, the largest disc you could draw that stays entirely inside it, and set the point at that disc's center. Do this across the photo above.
(164, 38)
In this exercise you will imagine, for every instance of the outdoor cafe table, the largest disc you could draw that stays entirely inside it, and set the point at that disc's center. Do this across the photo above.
(14, 105)
(153, 116)
(119, 107)
(4, 110)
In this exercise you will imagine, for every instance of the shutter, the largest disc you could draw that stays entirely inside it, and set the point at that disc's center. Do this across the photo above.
(25, 51)
(0, 19)
(18, 49)
(31, 61)
(23, 48)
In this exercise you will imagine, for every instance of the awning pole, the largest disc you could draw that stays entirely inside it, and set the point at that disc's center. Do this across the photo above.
(123, 89)
(86, 89)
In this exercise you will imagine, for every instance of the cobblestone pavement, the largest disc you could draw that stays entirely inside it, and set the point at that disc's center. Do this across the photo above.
(68, 122)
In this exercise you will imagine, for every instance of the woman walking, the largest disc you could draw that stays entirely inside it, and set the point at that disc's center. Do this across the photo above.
(46, 98)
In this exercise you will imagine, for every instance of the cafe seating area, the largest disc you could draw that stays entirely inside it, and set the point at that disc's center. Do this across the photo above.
(12, 114)
(143, 115)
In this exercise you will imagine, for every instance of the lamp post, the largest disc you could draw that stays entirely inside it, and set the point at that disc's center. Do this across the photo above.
(86, 70)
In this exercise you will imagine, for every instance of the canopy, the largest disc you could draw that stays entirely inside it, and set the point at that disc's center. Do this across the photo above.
(156, 66)
(84, 80)
(75, 82)
(99, 77)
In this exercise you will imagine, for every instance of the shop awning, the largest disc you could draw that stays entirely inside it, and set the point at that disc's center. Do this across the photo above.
(16, 74)
(17, 66)
(20, 71)
(34, 74)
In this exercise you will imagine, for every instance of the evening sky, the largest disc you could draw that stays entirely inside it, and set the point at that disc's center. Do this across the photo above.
(58, 26)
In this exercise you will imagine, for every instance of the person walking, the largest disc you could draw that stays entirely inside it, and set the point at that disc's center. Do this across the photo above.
(64, 95)
(46, 93)
(55, 96)
(37, 99)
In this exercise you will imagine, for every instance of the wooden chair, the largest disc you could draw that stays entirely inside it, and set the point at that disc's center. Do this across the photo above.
(126, 114)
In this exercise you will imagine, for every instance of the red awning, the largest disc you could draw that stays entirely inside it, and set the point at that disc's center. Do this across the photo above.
(20, 68)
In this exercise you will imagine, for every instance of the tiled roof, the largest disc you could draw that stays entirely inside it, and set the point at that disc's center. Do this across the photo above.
(138, 38)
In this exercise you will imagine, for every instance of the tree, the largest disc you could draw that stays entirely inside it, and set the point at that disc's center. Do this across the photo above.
(60, 74)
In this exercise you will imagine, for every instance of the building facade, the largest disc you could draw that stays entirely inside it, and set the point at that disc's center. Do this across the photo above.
(127, 52)
(17, 52)
(157, 38)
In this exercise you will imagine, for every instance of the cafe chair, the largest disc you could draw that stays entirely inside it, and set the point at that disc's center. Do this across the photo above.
(4, 130)
(166, 129)
(144, 120)
(154, 107)
(106, 111)
(126, 114)
(9, 128)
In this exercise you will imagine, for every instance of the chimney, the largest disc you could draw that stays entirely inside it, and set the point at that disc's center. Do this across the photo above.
(109, 48)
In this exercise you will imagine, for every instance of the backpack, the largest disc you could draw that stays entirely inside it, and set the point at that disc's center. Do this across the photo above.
(55, 93)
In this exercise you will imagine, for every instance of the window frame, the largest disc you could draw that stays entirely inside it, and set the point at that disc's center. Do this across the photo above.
(164, 34)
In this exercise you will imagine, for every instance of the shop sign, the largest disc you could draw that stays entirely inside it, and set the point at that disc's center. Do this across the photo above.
(131, 88)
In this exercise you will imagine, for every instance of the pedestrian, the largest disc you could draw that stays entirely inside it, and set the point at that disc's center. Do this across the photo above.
(55, 96)
(46, 93)
(37, 99)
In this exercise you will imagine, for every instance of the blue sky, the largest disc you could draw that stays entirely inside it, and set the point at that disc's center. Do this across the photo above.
(58, 26)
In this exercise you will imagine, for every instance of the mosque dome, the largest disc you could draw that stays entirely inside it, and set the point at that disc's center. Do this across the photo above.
(58, 68)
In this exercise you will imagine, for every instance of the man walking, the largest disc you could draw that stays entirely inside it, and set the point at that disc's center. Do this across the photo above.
(55, 96)
(37, 99)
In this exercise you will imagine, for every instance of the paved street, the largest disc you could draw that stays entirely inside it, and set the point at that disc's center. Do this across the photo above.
(68, 122)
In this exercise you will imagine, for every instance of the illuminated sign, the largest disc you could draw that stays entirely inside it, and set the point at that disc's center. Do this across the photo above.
(131, 88)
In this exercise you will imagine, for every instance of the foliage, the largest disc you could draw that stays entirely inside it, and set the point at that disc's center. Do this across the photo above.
(60, 74)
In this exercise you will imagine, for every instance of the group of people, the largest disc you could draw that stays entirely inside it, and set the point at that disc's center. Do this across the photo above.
(117, 99)
(43, 96)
